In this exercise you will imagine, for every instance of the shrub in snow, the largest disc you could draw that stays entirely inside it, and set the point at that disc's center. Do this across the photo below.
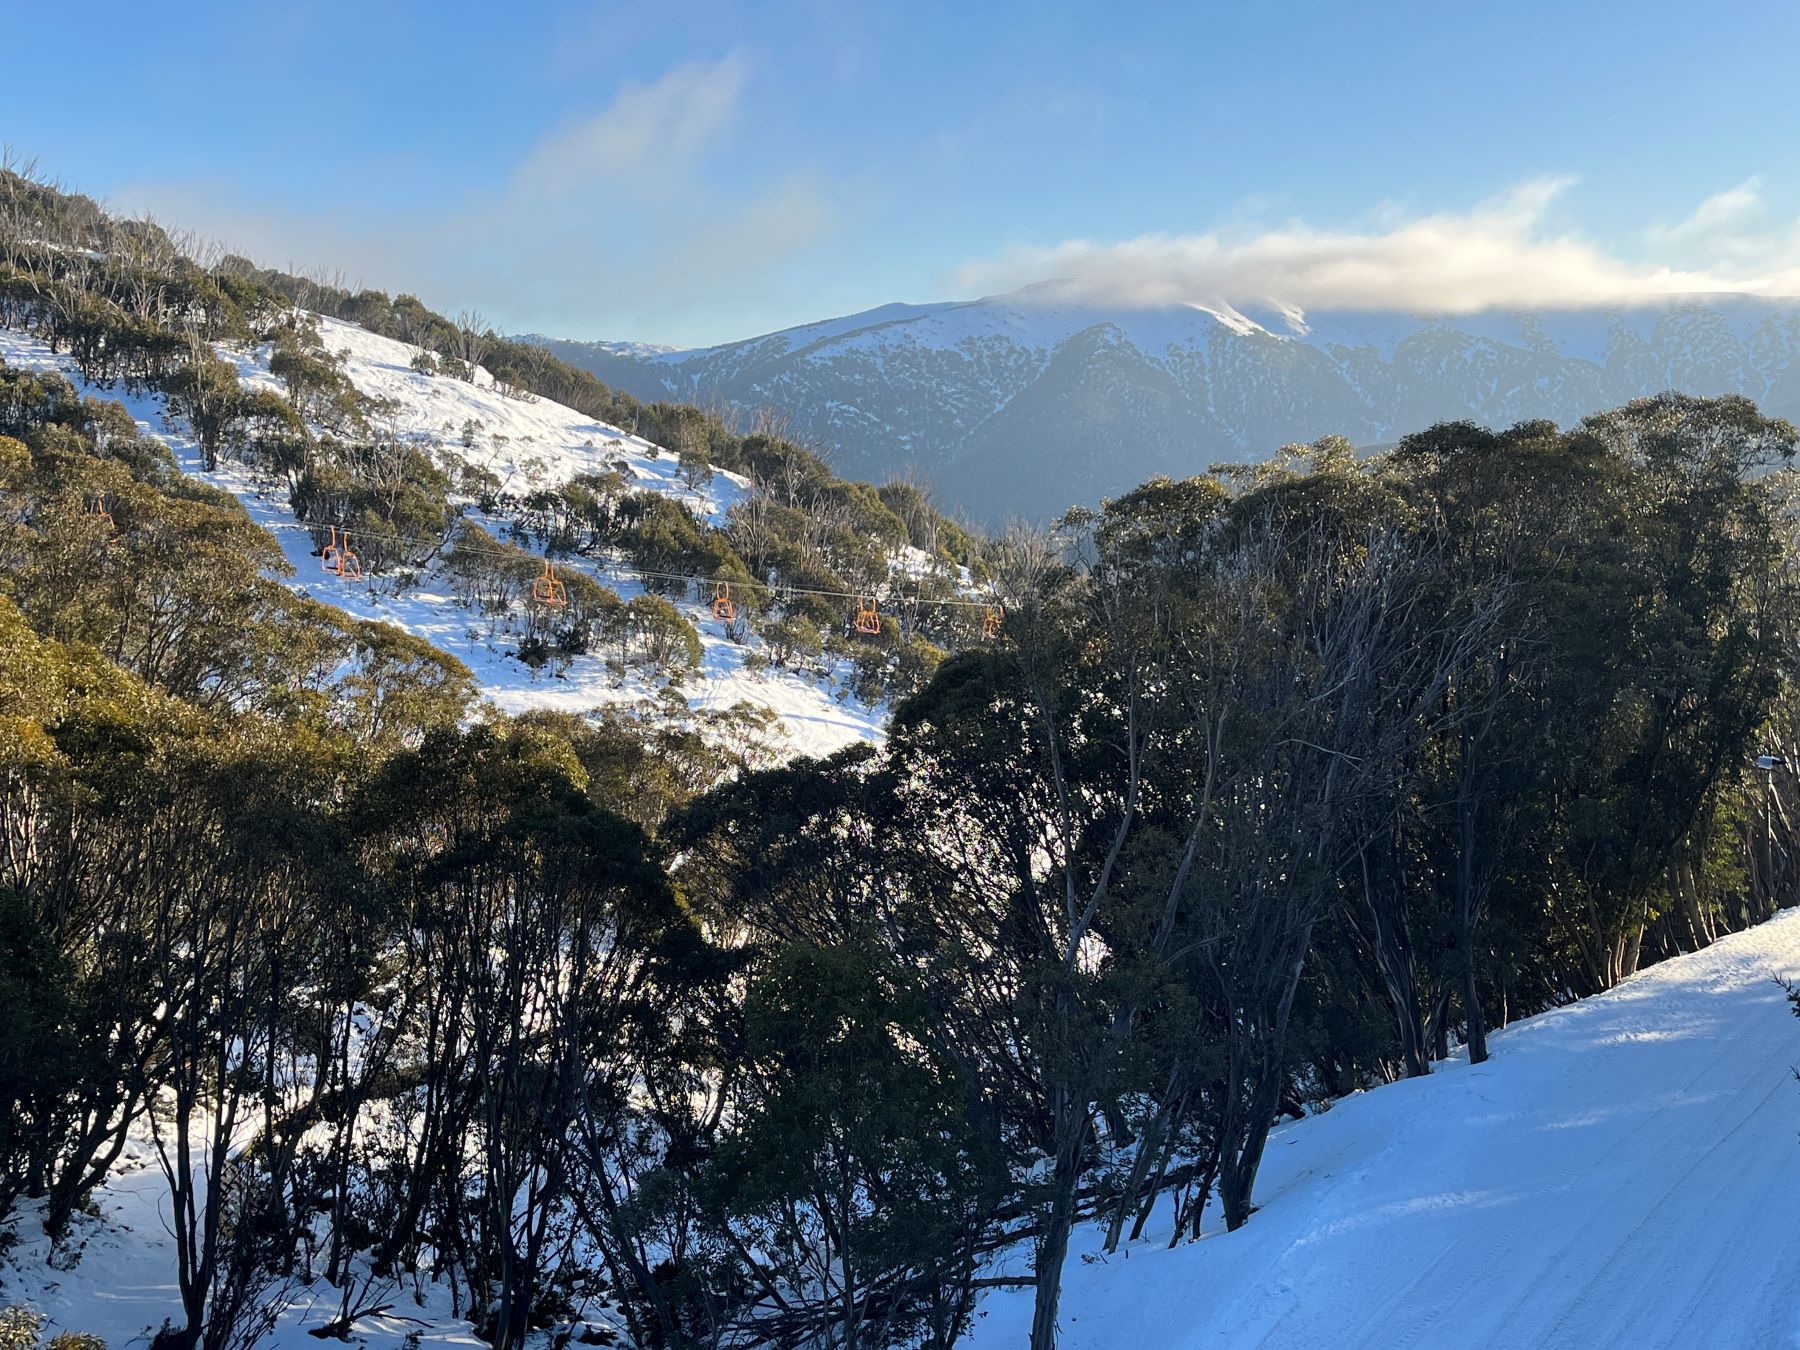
(21, 1327)
(792, 640)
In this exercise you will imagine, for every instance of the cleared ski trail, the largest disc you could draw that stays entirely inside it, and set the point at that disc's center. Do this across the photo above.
(1622, 1172)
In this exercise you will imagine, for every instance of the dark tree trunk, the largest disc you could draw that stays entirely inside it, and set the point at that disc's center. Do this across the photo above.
(1152, 1150)
(1053, 1240)
(1477, 1029)
(1245, 1127)
(1238, 1167)
(1197, 1211)
(1466, 911)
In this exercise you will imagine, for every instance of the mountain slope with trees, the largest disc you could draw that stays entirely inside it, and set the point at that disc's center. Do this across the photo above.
(449, 478)
(1268, 785)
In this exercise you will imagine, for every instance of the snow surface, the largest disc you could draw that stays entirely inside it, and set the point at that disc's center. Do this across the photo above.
(1624, 1171)
(527, 444)
(114, 1277)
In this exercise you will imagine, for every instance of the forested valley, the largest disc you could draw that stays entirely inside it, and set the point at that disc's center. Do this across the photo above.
(1264, 786)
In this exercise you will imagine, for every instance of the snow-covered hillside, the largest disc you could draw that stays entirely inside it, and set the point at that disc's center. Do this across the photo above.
(1024, 403)
(1624, 1171)
(526, 444)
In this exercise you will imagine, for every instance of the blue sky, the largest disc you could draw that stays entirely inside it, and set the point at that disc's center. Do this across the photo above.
(689, 173)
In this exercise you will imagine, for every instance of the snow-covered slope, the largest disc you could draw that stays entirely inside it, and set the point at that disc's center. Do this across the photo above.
(1623, 1172)
(114, 1277)
(1024, 403)
(526, 444)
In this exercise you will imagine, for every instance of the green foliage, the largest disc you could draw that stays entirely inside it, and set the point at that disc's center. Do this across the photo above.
(696, 469)
(656, 632)
(645, 763)
(854, 1162)
(661, 535)
(318, 391)
(387, 493)
(488, 574)
(893, 664)
(793, 641)
(38, 1040)
(22, 1329)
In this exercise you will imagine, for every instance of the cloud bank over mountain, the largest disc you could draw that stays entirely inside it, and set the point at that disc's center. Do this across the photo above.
(1500, 254)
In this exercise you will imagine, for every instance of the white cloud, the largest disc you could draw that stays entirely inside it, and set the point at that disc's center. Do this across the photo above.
(1498, 255)
(1736, 229)
(605, 227)
(1724, 214)
(657, 129)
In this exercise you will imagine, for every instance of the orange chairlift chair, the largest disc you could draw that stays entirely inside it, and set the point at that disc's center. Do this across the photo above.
(867, 620)
(340, 559)
(990, 623)
(723, 610)
(548, 589)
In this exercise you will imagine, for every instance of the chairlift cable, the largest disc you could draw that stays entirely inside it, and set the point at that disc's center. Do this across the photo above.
(623, 570)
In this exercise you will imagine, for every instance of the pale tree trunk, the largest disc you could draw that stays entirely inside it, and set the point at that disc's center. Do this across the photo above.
(1465, 925)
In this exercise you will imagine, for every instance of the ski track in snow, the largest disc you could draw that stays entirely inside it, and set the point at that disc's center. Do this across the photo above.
(541, 444)
(1624, 1171)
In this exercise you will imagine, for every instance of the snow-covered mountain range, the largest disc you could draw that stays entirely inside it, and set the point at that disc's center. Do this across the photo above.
(1024, 404)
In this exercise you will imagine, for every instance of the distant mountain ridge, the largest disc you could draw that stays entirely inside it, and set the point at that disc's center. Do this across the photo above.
(1022, 405)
